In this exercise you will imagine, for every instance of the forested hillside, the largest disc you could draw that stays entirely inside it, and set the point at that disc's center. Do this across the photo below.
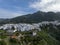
(34, 18)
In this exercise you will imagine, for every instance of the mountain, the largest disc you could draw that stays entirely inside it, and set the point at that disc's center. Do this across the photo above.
(35, 17)
(3, 21)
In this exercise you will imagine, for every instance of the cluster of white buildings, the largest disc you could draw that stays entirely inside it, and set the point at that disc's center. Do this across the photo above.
(19, 27)
(26, 27)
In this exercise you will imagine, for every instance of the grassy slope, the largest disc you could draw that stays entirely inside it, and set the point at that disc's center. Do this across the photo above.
(47, 39)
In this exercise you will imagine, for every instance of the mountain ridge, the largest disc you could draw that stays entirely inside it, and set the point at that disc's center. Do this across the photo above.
(35, 17)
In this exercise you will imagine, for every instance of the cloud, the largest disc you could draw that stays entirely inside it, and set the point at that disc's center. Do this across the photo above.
(46, 5)
(10, 14)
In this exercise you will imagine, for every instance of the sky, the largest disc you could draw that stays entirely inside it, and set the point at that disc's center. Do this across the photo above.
(13, 8)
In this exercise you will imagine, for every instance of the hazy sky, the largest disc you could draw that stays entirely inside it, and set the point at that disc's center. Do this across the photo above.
(13, 8)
